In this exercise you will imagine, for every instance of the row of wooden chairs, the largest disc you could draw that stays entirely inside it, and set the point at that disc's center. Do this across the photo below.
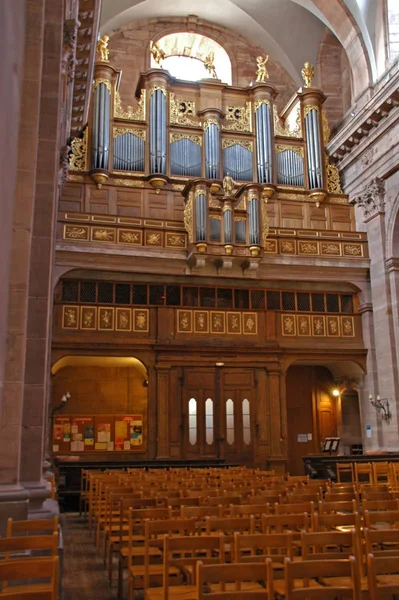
(371, 472)
(29, 562)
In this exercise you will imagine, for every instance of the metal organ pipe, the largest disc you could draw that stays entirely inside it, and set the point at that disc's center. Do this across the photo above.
(212, 144)
(158, 132)
(100, 138)
(253, 215)
(264, 143)
(228, 222)
(313, 143)
(200, 217)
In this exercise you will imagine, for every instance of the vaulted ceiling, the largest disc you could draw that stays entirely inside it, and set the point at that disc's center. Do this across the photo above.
(289, 30)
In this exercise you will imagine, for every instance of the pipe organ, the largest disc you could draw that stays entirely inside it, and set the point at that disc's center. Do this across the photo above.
(208, 130)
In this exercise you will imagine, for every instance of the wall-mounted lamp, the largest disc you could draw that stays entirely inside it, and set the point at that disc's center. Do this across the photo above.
(382, 407)
(61, 406)
(336, 392)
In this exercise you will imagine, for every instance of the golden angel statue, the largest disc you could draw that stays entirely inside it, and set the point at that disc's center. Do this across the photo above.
(261, 72)
(209, 66)
(157, 52)
(228, 185)
(102, 48)
(307, 74)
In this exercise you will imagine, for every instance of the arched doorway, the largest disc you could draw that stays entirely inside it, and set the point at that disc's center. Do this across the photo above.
(322, 402)
(99, 406)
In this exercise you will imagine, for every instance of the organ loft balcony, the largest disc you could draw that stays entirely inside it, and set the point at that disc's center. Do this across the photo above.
(205, 178)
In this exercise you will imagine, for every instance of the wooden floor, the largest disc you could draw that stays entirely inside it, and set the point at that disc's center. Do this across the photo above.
(84, 576)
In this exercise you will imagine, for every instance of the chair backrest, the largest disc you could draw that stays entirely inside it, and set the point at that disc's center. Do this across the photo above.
(341, 497)
(31, 526)
(249, 509)
(306, 570)
(20, 543)
(385, 519)
(201, 512)
(258, 546)
(380, 505)
(364, 473)
(382, 573)
(328, 545)
(281, 523)
(345, 472)
(34, 571)
(337, 506)
(229, 525)
(234, 574)
(382, 542)
(337, 521)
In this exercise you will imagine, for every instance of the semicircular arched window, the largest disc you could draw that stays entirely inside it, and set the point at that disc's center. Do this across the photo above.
(186, 54)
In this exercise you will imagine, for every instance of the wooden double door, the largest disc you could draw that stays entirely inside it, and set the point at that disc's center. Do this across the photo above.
(219, 414)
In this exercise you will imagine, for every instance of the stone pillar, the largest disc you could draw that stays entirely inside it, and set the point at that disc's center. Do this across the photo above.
(13, 496)
(372, 201)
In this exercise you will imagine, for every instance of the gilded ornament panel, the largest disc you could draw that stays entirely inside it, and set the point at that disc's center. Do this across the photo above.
(288, 325)
(141, 320)
(130, 114)
(303, 325)
(105, 320)
(176, 137)
(297, 149)
(130, 236)
(288, 246)
(318, 326)
(123, 319)
(353, 250)
(139, 133)
(153, 238)
(128, 182)
(331, 249)
(333, 327)
(233, 323)
(218, 324)
(88, 318)
(188, 217)
(270, 247)
(250, 323)
(103, 234)
(347, 327)
(184, 321)
(78, 157)
(309, 248)
(227, 143)
(182, 111)
(201, 321)
(175, 240)
(70, 317)
(72, 232)
(239, 118)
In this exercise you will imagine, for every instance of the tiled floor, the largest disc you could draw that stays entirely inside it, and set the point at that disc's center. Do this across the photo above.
(84, 576)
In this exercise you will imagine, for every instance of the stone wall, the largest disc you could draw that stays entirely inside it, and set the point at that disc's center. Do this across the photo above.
(129, 51)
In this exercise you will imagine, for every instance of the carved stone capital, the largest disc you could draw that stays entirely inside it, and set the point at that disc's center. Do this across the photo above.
(71, 27)
(372, 198)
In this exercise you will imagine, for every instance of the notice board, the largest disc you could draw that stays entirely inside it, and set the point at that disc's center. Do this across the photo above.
(98, 433)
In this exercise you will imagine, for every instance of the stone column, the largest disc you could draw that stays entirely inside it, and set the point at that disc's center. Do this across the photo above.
(372, 201)
(13, 496)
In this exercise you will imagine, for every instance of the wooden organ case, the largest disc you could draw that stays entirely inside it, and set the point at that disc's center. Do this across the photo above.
(210, 217)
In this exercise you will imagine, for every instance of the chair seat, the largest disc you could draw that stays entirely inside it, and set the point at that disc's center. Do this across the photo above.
(139, 570)
(40, 588)
(246, 586)
(279, 585)
(140, 551)
(175, 592)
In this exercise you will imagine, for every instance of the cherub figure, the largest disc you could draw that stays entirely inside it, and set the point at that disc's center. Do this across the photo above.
(209, 66)
(157, 52)
(102, 48)
(261, 73)
(228, 185)
(307, 74)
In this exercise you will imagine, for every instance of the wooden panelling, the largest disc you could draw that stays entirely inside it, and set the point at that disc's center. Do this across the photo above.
(292, 215)
(318, 217)
(129, 203)
(341, 217)
(157, 206)
(72, 197)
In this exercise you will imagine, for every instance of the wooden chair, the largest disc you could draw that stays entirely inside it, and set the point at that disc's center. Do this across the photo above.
(345, 472)
(381, 472)
(382, 542)
(241, 581)
(383, 576)
(300, 578)
(143, 575)
(26, 578)
(337, 522)
(394, 475)
(385, 519)
(183, 554)
(342, 497)
(334, 507)
(11, 547)
(364, 473)
(34, 527)
(380, 505)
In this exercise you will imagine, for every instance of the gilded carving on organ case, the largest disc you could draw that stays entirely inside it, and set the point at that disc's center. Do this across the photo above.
(288, 325)
(318, 326)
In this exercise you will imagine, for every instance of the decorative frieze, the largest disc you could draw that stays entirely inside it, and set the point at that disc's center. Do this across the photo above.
(216, 322)
(372, 198)
(105, 318)
(317, 326)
